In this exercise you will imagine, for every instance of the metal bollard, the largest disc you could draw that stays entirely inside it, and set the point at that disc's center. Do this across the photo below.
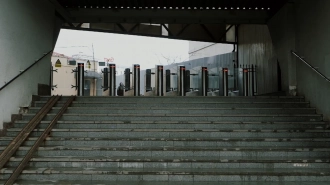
(204, 81)
(181, 80)
(225, 81)
(246, 81)
(187, 81)
(136, 79)
(81, 79)
(105, 79)
(254, 81)
(159, 80)
(168, 80)
(148, 80)
(112, 79)
(127, 79)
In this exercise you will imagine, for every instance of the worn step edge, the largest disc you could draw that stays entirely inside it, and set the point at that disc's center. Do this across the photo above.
(177, 122)
(176, 130)
(161, 171)
(178, 148)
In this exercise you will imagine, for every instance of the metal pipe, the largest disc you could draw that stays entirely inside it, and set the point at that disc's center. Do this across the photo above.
(246, 81)
(310, 66)
(13, 177)
(81, 79)
(136, 79)
(51, 77)
(225, 81)
(204, 81)
(112, 79)
(181, 80)
(159, 80)
(22, 72)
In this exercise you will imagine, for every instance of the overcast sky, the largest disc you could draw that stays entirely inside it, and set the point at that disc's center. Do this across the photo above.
(125, 49)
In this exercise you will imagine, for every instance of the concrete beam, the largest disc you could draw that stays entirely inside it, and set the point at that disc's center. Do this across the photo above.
(166, 16)
(63, 12)
(144, 34)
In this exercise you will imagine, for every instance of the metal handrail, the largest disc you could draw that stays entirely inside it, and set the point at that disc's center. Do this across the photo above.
(310, 66)
(1, 88)
(36, 145)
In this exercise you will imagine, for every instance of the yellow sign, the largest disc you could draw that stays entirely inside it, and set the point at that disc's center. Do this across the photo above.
(58, 63)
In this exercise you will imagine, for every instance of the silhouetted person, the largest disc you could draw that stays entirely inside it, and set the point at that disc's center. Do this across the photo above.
(121, 89)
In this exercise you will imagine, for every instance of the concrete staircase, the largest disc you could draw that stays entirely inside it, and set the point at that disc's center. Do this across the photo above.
(178, 140)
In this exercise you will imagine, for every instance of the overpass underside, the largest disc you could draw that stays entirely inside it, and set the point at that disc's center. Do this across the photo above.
(208, 21)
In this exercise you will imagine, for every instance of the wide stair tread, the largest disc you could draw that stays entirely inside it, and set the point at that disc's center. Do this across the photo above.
(181, 140)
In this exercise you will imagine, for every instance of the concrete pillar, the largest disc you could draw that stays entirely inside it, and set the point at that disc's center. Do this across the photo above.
(19, 48)
(282, 31)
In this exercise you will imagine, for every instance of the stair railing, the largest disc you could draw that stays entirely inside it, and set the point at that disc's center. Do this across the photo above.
(310, 66)
(13, 79)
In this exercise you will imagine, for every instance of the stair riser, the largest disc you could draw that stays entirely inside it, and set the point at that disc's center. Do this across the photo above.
(182, 111)
(178, 144)
(165, 165)
(180, 99)
(237, 118)
(232, 126)
(211, 154)
(174, 178)
(181, 134)
(185, 105)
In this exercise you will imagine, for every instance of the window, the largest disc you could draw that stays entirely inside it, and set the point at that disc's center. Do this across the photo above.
(101, 63)
(72, 62)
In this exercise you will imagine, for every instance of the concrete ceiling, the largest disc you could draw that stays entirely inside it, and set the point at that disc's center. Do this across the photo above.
(200, 20)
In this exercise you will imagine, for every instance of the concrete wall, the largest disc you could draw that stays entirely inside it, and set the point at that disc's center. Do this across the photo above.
(305, 23)
(282, 30)
(255, 47)
(27, 31)
(199, 50)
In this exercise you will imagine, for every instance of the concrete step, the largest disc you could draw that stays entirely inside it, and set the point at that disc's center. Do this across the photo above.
(182, 117)
(269, 163)
(100, 182)
(174, 99)
(176, 133)
(206, 111)
(212, 152)
(185, 104)
(172, 175)
(175, 142)
(180, 125)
